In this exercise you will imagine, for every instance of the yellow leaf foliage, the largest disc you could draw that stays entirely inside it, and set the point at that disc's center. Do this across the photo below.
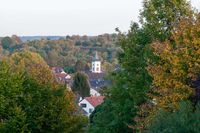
(179, 64)
(33, 65)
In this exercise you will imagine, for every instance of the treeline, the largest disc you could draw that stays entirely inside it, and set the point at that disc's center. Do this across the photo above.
(32, 101)
(157, 87)
(66, 52)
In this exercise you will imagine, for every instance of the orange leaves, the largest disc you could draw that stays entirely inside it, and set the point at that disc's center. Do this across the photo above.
(179, 62)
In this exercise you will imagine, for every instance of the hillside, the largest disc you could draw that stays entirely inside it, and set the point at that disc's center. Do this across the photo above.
(65, 51)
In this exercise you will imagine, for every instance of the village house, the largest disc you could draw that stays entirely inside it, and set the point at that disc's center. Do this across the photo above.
(96, 80)
(95, 76)
(61, 76)
(88, 104)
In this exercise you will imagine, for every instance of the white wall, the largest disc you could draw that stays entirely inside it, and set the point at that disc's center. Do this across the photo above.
(95, 65)
(93, 92)
(88, 106)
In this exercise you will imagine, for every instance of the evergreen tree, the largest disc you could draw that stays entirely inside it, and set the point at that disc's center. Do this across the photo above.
(81, 85)
(129, 85)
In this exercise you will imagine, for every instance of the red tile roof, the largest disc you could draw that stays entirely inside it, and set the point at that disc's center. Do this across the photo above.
(61, 75)
(95, 100)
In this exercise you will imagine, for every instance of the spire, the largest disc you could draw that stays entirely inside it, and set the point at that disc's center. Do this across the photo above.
(96, 57)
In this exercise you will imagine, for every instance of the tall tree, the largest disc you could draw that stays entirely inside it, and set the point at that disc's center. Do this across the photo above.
(80, 66)
(131, 84)
(160, 16)
(179, 64)
(81, 84)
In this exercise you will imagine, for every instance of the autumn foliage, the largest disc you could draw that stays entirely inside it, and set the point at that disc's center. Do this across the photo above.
(31, 100)
(179, 64)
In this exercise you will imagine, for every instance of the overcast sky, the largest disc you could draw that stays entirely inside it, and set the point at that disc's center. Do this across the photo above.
(68, 17)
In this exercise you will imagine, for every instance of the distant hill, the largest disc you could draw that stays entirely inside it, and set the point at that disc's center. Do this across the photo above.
(32, 38)
(65, 51)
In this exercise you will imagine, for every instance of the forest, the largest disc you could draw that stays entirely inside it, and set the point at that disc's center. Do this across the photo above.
(156, 90)
(66, 52)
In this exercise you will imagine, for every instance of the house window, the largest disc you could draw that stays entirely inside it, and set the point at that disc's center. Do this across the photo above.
(97, 68)
(97, 64)
(90, 110)
(83, 105)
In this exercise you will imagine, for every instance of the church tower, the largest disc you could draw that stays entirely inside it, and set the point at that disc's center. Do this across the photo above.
(96, 64)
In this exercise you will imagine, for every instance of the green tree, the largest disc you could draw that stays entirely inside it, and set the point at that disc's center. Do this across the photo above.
(12, 116)
(81, 84)
(29, 105)
(80, 66)
(7, 42)
(53, 57)
(185, 120)
(178, 65)
(160, 16)
(132, 83)
(50, 110)
(103, 115)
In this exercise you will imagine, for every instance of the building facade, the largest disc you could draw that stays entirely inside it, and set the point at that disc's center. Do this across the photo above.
(96, 64)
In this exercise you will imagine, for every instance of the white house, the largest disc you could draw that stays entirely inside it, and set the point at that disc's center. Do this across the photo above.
(88, 104)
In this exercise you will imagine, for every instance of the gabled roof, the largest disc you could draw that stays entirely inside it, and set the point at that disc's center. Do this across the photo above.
(95, 100)
(95, 84)
(93, 76)
(97, 80)
(62, 76)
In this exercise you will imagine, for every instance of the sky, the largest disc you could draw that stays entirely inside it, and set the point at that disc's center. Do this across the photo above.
(68, 17)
